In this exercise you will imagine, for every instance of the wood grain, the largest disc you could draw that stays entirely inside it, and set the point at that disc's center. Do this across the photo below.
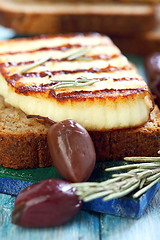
(85, 226)
(146, 228)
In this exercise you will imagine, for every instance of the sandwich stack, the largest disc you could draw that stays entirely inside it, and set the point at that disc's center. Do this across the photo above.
(83, 77)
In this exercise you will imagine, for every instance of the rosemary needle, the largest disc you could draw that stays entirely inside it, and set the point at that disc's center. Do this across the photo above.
(142, 159)
(75, 84)
(36, 64)
(142, 183)
(129, 183)
(128, 166)
(77, 54)
(143, 190)
(151, 178)
(96, 195)
(78, 82)
(79, 79)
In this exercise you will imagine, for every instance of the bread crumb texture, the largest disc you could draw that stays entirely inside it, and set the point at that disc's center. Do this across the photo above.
(15, 121)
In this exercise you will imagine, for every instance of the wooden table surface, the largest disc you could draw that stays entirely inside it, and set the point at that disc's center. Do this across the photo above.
(86, 225)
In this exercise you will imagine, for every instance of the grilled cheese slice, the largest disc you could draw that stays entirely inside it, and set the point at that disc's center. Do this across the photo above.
(82, 77)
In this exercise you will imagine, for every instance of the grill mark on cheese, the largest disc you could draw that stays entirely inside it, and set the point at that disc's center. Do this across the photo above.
(94, 57)
(45, 86)
(16, 77)
(111, 93)
(63, 47)
(27, 90)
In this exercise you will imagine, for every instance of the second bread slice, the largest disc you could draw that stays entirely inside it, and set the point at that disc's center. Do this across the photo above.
(33, 17)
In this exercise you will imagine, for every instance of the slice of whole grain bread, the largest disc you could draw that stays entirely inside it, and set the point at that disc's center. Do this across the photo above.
(23, 141)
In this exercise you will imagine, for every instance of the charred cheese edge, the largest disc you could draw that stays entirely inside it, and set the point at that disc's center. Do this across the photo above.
(119, 98)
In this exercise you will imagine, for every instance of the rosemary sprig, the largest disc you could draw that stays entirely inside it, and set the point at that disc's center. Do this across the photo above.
(142, 159)
(77, 54)
(78, 82)
(140, 177)
(36, 64)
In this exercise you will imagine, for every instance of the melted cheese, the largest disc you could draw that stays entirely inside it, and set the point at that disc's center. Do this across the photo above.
(118, 99)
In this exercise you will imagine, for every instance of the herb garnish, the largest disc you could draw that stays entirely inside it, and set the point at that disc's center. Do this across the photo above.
(77, 54)
(141, 176)
(36, 64)
(78, 82)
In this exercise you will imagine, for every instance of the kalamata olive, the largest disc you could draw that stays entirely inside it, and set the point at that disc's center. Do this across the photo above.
(50, 202)
(72, 150)
(152, 64)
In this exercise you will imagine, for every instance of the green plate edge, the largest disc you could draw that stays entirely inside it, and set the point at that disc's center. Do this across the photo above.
(38, 174)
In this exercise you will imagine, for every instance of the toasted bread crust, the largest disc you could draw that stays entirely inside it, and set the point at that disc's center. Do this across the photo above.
(24, 141)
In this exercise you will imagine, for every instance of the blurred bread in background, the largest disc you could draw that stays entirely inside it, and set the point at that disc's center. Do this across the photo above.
(133, 25)
(141, 43)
